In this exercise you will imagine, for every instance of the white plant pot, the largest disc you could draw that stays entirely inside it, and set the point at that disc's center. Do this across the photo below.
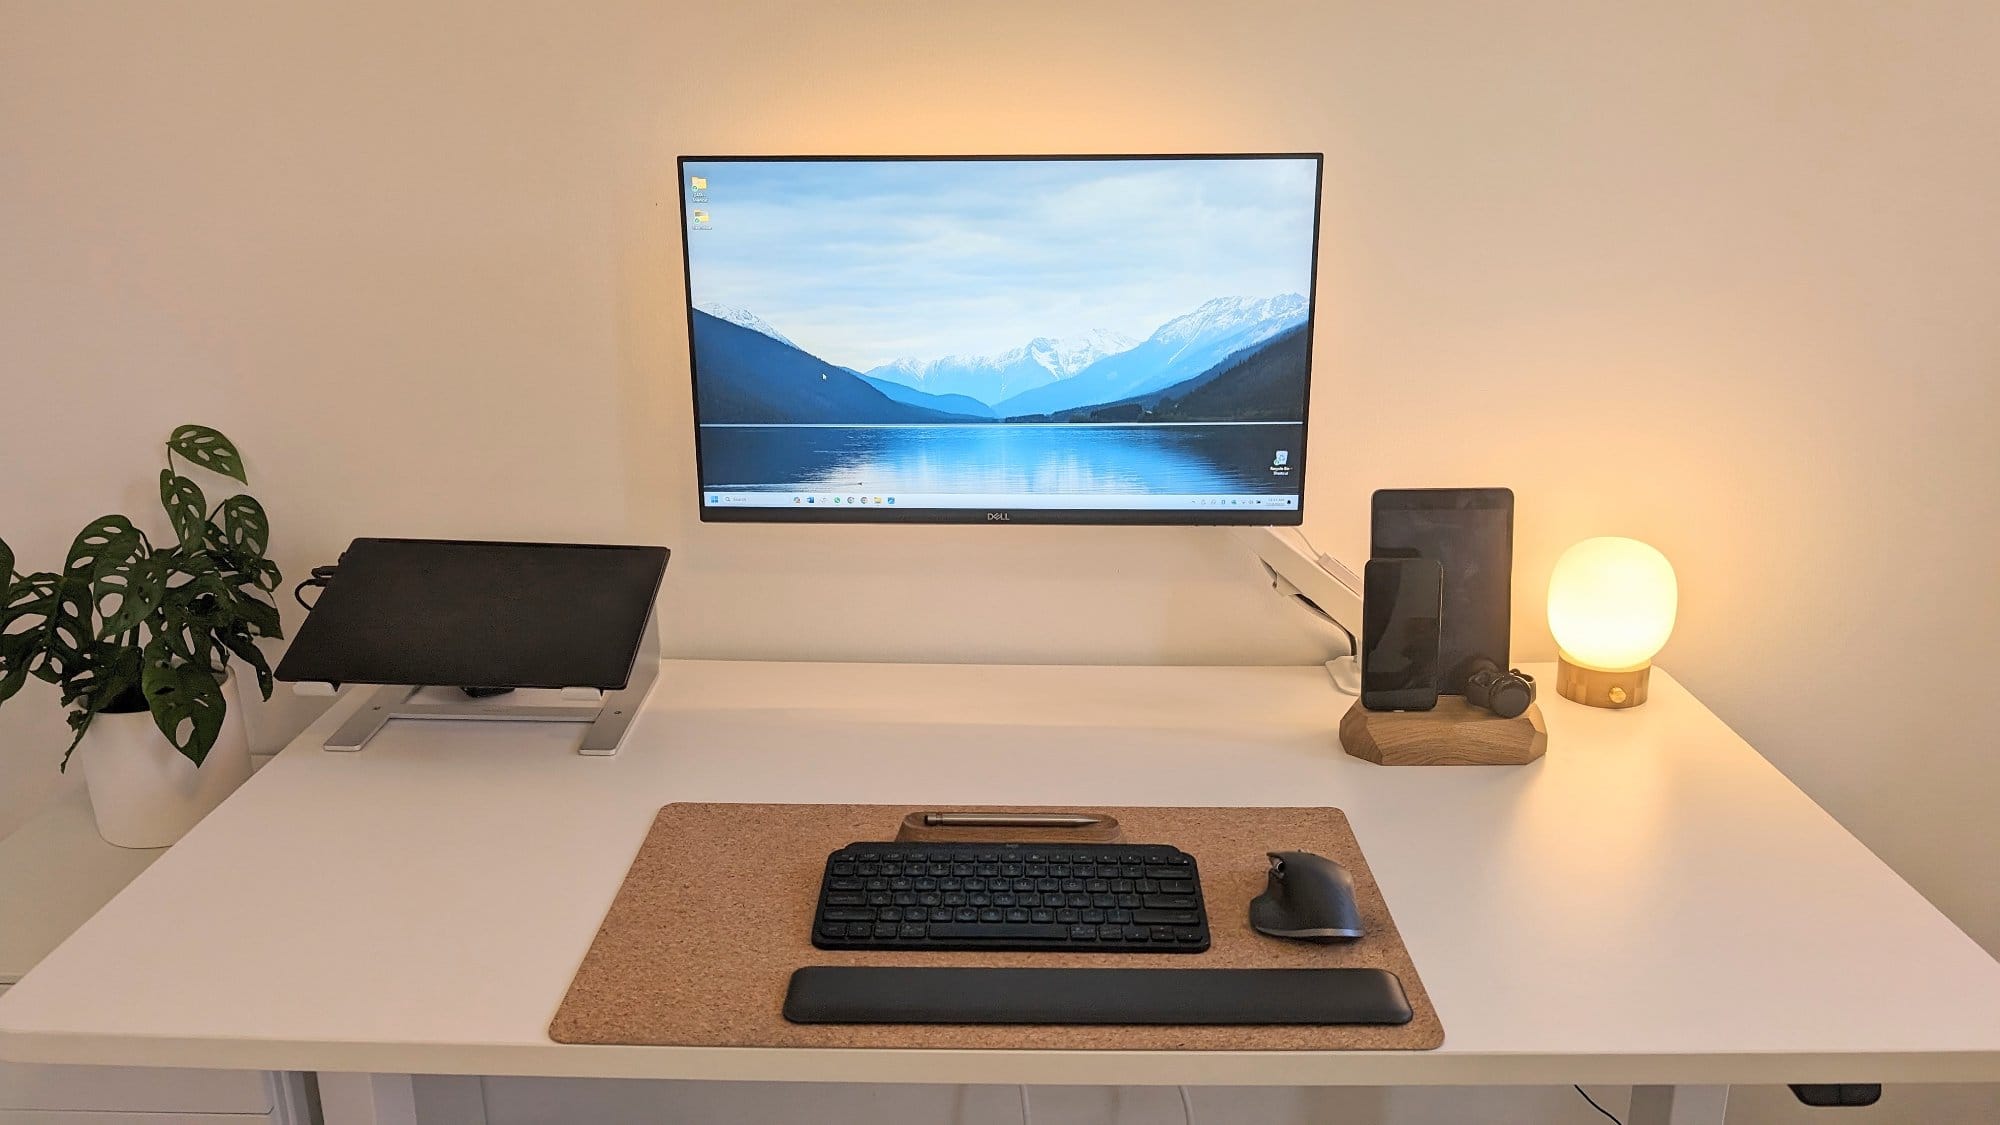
(145, 793)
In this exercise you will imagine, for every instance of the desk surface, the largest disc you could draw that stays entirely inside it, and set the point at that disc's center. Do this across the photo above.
(1652, 902)
(55, 871)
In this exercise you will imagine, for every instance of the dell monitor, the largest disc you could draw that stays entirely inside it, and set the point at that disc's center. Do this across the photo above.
(1060, 339)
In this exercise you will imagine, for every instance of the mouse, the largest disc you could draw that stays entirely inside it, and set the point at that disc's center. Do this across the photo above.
(1307, 898)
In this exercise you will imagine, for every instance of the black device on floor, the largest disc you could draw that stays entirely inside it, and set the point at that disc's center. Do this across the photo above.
(882, 994)
(1470, 533)
(1401, 603)
(1107, 898)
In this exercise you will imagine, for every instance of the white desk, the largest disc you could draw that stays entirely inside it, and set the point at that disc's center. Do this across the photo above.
(1651, 904)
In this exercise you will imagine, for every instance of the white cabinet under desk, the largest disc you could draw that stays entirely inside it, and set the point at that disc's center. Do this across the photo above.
(1650, 904)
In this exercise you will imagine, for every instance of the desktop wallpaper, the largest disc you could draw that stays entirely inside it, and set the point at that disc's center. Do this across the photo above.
(1081, 334)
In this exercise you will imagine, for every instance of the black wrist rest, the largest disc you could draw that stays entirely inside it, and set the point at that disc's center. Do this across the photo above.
(882, 994)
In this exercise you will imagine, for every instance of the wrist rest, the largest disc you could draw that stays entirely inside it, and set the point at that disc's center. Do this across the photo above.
(887, 994)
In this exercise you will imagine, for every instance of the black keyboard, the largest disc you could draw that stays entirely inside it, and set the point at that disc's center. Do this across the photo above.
(1111, 898)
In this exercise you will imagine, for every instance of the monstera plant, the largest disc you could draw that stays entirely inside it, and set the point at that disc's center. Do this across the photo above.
(129, 624)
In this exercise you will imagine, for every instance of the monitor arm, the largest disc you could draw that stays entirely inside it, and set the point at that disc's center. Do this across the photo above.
(1320, 583)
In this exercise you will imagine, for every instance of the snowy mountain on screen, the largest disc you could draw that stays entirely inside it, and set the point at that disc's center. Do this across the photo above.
(1180, 349)
(744, 318)
(990, 378)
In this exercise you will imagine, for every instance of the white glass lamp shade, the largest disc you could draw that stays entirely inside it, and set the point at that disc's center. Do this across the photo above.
(1611, 608)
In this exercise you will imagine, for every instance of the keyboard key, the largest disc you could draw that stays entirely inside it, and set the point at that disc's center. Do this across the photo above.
(955, 932)
(1137, 933)
(1169, 902)
(1175, 887)
(1166, 917)
(1110, 932)
(1043, 915)
(1083, 933)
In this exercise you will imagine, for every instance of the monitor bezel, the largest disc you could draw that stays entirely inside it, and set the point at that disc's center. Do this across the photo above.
(1153, 517)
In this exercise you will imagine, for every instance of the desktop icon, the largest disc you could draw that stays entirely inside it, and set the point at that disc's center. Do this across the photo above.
(701, 216)
(698, 183)
(1280, 458)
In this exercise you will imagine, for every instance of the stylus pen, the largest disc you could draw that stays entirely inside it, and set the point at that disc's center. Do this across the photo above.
(1009, 820)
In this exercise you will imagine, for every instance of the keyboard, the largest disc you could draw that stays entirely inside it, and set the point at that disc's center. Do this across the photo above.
(1106, 898)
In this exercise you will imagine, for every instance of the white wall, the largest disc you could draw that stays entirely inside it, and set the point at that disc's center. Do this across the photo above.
(1718, 275)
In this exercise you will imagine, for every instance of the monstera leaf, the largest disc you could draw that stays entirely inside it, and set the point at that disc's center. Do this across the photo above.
(186, 507)
(209, 449)
(246, 649)
(6, 568)
(105, 538)
(136, 583)
(185, 699)
(46, 623)
(14, 654)
(109, 672)
(244, 525)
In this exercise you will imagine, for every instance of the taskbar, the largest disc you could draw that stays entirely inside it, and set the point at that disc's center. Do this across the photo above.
(1095, 501)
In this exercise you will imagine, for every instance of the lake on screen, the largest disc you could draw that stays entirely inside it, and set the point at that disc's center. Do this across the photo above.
(1004, 458)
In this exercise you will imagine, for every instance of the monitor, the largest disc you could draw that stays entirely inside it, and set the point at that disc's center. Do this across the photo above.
(1038, 339)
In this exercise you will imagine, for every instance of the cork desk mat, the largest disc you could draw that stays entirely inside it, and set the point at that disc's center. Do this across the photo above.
(699, 946)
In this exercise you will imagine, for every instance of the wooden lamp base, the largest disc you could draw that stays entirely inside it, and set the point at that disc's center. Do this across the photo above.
(1595, 688)
(1455, 733)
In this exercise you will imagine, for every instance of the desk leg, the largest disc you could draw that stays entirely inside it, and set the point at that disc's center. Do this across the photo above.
(367, 1099)
(1672, 1105)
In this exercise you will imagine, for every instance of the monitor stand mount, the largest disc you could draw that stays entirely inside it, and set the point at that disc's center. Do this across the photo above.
(1319, 583)
(607, 714)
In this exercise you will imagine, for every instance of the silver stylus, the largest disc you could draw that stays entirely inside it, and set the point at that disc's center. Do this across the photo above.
(1009, 820)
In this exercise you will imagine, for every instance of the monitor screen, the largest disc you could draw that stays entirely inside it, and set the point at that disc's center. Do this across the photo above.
(1118, 339)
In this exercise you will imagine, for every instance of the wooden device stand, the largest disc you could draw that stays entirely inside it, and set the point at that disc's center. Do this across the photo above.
(1455, 733)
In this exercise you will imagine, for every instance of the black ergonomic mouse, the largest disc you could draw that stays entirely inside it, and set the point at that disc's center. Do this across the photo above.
(1308, 898)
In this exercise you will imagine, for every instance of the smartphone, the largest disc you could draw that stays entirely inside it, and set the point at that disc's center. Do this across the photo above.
(1470, 533)
(1401, 603)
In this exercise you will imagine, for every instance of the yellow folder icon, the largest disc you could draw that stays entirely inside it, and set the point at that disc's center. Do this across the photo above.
(698, 183)
(701, 216)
